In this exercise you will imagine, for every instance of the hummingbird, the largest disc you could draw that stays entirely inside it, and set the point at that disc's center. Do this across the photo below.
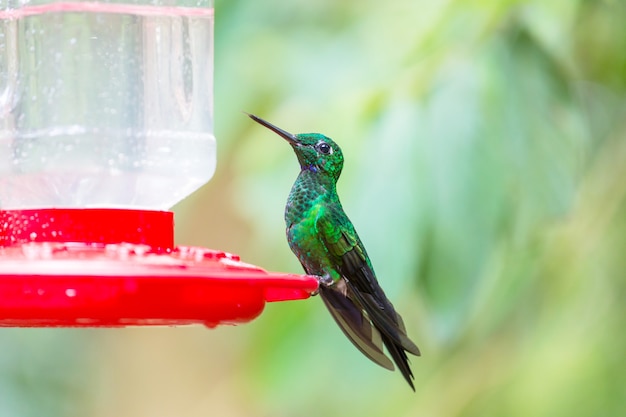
(327, 245)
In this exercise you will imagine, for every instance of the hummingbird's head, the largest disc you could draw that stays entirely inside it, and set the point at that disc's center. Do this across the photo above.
(315, 152)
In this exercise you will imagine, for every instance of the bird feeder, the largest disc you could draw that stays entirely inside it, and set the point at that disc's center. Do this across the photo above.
(106, 121)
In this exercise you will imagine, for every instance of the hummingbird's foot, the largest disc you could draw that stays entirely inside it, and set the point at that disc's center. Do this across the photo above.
(323, 280)
(326, 280)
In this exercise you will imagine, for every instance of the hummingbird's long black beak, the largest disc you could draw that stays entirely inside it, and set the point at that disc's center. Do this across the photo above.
(291, 138)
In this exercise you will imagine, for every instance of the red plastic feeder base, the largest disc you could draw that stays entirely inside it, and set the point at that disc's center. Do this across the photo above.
(112, 267)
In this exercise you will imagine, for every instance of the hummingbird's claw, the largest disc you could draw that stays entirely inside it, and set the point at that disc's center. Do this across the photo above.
(324, 280)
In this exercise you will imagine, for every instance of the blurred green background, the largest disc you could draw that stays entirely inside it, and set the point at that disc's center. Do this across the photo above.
(486, 173)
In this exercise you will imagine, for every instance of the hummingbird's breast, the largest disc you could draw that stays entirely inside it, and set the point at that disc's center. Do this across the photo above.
(305, 203)
(305, 244)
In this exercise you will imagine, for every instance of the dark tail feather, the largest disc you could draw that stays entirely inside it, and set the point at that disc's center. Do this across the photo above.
(391, 327)
(355, 325)
(381, 312)
(369, 331)
(399, 357)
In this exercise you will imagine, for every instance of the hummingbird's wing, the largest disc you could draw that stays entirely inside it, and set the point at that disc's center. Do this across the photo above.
(363, 296)
(355, 325)
(378, 307)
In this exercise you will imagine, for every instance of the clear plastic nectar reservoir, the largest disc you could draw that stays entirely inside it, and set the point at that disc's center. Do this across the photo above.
(106, 104)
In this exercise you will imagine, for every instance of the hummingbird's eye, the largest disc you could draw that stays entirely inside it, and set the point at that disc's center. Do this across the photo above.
(324, 148)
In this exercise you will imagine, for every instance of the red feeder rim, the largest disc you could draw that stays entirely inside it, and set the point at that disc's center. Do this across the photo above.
(114, 267)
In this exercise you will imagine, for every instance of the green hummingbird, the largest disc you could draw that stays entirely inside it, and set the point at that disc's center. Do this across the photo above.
(325, 241)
